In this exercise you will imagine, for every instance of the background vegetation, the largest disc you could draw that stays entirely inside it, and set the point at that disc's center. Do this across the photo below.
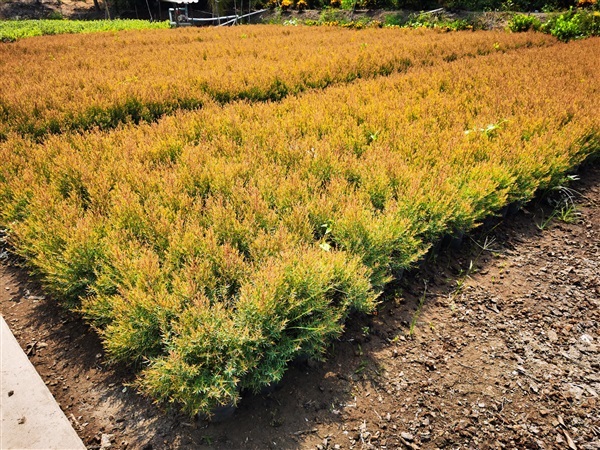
(572, 24)
(424, 5)
(11, 30)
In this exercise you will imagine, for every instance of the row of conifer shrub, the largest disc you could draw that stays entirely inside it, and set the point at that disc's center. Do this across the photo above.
(64, 83)
(215, 246)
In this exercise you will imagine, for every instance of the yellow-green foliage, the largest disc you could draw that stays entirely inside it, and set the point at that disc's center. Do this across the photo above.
(216, 245)
(78, 82)
(11, 30)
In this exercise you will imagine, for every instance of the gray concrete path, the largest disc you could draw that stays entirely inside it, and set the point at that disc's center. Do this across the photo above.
(31, 418)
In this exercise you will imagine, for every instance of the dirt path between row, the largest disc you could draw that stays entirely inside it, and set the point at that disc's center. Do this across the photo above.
(503, 355)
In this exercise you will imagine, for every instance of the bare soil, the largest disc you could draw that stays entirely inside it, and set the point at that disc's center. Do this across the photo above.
(502, 353)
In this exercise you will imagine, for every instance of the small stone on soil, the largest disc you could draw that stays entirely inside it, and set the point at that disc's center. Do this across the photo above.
(407, 436)
(105, 441)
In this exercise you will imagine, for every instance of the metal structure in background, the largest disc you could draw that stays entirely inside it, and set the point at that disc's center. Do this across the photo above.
(180, 15)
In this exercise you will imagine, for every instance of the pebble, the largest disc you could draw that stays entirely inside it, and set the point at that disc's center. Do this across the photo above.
(407, 436)
(105, 441)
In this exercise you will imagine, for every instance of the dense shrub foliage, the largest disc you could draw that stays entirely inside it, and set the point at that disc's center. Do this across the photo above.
(78, 82)
(214, 246)
(573, 24)
(522, 22)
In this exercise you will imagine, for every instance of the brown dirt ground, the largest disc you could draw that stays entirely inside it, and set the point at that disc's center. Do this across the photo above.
(505, 355)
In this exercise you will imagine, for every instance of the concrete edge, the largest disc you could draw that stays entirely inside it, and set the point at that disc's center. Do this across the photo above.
(31, 417)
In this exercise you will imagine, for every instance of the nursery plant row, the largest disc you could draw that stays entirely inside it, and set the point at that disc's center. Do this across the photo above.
(211, 248)
(78, 82)
(12, 30)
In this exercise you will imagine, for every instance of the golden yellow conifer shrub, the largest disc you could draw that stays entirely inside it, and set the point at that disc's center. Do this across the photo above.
(214, 246)
(54, 84)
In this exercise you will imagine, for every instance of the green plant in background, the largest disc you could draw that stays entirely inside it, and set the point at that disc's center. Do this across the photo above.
(427, 20)
(549, 8)
(427, 5)
(573, 24)
(564, 27)
(332, 15)
(508, 5)
(55, 15)
(12, 30)
(523, 22)
(393, 20)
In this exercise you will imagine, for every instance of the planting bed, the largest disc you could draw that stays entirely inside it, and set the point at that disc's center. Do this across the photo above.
(510, 360)
(214, 247)
(104, 79)
(12, 30)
